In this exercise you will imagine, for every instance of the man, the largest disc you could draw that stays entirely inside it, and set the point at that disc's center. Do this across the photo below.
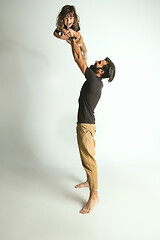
(86, 128)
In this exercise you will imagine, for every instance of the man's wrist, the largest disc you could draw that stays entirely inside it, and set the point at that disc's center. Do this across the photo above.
(71, 38)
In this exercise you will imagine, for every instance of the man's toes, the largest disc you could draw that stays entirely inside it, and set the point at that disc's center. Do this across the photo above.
(89, 210)
(84, 210)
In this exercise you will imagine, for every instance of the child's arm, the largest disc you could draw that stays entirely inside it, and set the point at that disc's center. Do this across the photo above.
(78, 56)
(63, 37)
(69, 31)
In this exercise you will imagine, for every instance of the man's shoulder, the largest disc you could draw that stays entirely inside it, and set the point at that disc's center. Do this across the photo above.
(89, 74)
(89, 70)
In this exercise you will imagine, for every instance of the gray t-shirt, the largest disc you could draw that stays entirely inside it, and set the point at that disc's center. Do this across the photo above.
(89, 97)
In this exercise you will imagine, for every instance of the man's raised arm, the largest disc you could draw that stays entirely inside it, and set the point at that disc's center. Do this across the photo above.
(78, 56)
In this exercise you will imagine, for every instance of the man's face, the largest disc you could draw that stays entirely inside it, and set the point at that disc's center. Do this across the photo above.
(98, 65)
(101, 63)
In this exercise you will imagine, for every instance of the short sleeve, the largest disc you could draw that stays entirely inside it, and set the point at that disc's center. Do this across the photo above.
(89, 74)
(57, 31)
(76, 29)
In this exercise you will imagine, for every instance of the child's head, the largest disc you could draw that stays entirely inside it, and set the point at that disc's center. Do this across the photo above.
(68, 17)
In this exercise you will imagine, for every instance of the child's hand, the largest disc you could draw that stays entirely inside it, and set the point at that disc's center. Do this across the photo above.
(74, 33)
(71, 32)
(66, 33)
(64, 37)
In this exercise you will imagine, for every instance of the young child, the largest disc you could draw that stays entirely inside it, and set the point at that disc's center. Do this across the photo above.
(68, 19)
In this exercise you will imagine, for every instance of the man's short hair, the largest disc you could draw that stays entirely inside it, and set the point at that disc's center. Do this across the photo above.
(109, 70)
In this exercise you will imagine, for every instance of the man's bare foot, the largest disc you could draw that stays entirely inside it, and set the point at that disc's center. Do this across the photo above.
(93, 200)
(81, 185)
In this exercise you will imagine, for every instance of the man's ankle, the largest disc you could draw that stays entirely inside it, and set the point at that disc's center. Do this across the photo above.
(93, 194)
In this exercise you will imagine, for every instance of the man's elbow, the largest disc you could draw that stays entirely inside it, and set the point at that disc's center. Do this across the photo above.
(76, 59)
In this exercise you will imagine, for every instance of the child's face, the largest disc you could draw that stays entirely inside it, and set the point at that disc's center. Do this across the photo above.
(68, 20)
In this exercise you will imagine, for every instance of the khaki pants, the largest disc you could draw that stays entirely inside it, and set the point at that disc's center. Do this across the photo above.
(86, 144)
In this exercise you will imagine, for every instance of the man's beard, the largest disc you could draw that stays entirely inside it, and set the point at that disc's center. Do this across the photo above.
(94, 68)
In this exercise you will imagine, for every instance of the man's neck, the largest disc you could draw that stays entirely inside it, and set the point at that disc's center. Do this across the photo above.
(98, 75)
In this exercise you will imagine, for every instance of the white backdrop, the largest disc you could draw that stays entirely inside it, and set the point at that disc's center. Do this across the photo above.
(40, 83)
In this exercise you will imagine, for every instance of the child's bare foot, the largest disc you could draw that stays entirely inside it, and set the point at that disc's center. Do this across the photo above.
(81, 185)
(93, 200)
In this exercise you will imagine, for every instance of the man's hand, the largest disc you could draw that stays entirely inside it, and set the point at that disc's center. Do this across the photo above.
(66, 33)
(71, 33)
(74, 33)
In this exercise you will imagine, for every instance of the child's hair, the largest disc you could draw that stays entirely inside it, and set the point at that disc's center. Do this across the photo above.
(67, 10)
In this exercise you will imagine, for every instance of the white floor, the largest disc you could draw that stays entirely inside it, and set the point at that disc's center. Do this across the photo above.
(42, 204)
